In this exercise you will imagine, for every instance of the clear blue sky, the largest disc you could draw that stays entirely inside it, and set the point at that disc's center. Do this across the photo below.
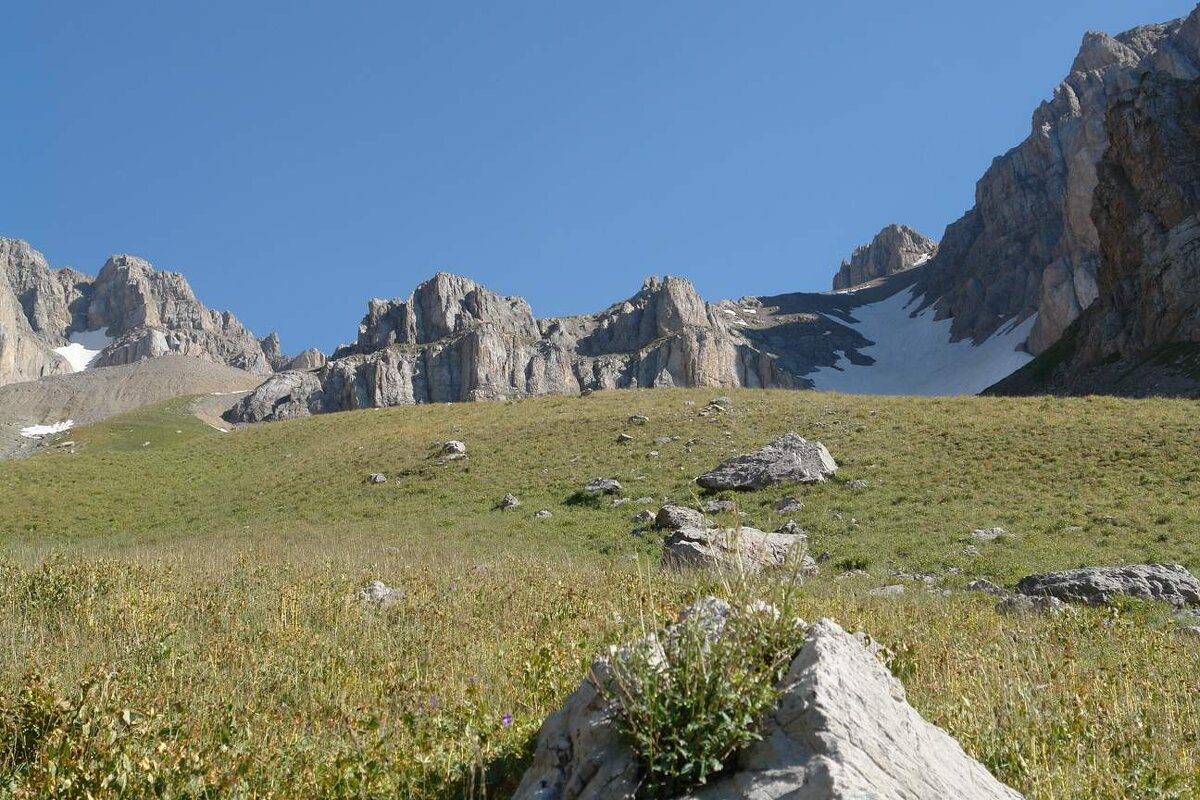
(295, 158)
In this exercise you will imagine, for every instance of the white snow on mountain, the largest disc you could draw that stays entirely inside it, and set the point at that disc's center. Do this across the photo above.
(84, 349)
(914, 355)
(38, 431)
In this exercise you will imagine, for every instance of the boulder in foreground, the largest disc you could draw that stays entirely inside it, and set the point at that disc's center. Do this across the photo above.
(1170, 583)
(788, 459)
(840, 730)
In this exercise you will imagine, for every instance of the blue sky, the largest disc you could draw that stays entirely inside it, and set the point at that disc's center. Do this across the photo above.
(294, 159)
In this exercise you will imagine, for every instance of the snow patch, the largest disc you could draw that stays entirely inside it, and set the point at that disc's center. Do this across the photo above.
(38, 431)
(84, 348)
(914, 355)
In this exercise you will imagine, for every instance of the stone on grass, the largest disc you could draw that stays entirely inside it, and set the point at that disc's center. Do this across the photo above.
(510, 501)
(887, 591)
(989, 534)
(790, 528)
(602, 486)
(718, 507)
(673, 518)
(379, 595)
(789, 505)
(841, 729)
(747, 550)
(378, 477)
(543, 514)
(623, 438)
(1170, 583)
(642, 517)
(857, 484)
(638, 419)
(788, 459)
(454, 448)
(987, 587)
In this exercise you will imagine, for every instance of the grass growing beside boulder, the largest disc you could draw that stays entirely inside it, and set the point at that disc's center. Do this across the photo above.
(180, 619)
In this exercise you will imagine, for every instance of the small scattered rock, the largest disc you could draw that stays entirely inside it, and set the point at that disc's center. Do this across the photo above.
(987, 587)
(789, 505)
(624, 438)
(510, 501)
(662, 440)
(638, 419)
(379, 595)
(543, 514)
(745, 550)
(377, 477)
(887, 591)
(971, 551)
(454, 448)
(643, 517)
(989, 534)
(790, 528)
(857, 484)
(719, 507)
(652, 454)
(602, 486)
(672, 518)
(617, 501)
(721, 401)
(644, 500)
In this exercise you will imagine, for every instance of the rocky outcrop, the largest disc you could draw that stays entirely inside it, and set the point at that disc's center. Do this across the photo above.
(894, 249)
(1142, 337)
(1170, 583)
(744, 550)
(841, 729)
(145, 312)
(788, 459)
(1029, 246)
(454, 340)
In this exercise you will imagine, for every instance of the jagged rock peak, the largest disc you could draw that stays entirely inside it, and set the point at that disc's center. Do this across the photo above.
(441, 307)
(894, 249)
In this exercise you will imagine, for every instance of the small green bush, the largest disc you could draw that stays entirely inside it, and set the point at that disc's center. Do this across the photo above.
(689, 701)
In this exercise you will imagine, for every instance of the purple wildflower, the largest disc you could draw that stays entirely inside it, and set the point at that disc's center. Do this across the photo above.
(506, 720)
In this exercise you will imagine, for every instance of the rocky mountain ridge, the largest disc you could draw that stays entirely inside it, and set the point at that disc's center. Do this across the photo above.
(133, 310)
(1029, 246)
(1142, 335)
(894, 249)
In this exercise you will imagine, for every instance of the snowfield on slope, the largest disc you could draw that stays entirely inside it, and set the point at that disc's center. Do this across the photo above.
(914, 355)
(38, 431)
(84, 348)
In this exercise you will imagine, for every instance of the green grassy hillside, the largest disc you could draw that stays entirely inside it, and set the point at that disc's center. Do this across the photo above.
(176, 613)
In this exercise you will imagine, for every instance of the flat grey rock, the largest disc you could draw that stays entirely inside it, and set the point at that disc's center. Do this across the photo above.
(743, 549)
(671, 518)
(788, 459)
(1170, 583)
(602, 486)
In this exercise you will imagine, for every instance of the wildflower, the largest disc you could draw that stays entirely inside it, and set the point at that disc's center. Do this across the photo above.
(507, 720)
(763, 607)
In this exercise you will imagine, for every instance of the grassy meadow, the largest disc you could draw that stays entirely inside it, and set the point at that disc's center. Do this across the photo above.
(177, 613)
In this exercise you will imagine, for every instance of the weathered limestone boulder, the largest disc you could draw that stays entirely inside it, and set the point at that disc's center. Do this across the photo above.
(454, 448)
(379, 595)
(602, 486)
(672, 518)
(1023, 605)
(894, 249)
(1170, 583)
(842, 729)
(788, 459)
(509, 501)
(309, 359)
(743, 549)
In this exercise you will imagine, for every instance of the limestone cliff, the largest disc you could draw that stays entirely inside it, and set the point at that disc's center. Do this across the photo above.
(144, 312)
(1029, 245)
(1142, 335)
(454, 340)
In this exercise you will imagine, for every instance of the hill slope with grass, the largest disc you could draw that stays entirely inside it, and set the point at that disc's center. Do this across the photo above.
(177, 610)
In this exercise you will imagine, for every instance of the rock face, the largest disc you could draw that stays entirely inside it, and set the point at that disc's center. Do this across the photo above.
(1142, 336)
(894, 249)
(142, 312)
(453, 340)
(841, 730)
(1030, 245)
(1170, 583)
(744, 549)
(788, 459)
